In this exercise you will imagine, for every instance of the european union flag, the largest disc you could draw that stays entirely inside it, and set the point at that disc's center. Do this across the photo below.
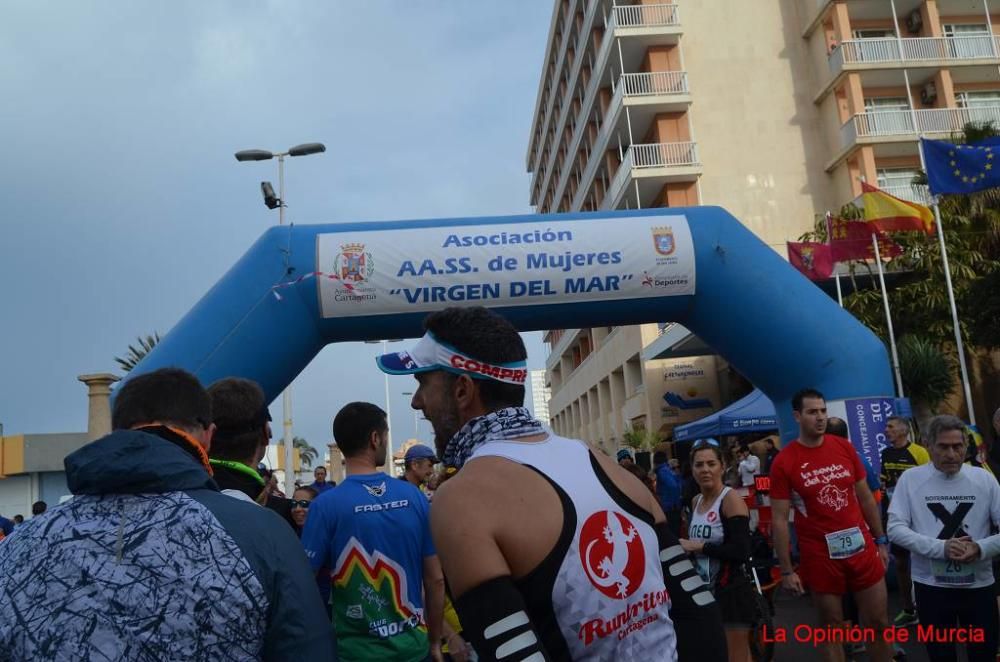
(962, 168)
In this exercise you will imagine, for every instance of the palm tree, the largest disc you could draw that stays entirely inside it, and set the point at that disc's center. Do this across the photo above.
(928, 375)
(136, 354)
(640, 439)
(307, 454)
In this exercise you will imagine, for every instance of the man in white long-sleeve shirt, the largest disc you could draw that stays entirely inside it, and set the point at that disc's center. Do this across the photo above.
(942, 512)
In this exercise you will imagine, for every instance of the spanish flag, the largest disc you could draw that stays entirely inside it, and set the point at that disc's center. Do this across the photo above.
(890, 214)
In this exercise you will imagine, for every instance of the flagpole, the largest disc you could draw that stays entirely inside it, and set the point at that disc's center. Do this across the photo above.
(888, 318)
(966, 387)
(829, 240)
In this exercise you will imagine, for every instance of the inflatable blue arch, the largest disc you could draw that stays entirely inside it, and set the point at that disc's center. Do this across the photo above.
(302, 287)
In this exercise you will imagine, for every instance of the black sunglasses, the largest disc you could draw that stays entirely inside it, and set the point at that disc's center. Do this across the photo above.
(301, 503)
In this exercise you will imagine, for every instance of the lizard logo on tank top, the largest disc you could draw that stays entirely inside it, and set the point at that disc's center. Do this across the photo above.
(612, 554)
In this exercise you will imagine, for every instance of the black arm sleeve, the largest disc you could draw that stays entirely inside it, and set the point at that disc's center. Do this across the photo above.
(695, 613)
(496, 623)
(735, 544)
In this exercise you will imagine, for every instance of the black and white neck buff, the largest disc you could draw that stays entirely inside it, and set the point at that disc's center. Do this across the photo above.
(509, 423)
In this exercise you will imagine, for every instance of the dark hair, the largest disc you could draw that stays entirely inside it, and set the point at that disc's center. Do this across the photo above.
(18, 519)
(837, 427)
(642, 475)
(354, 424)
(168, 395)
(305, 488)
(39, 507)
(239, 412)
(318, 467)
(483, 335)
(901, 419)
(802, 395)
(707, 447)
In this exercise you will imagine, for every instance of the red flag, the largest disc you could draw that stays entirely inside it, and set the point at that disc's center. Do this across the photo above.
(852, 240)
(811, 259)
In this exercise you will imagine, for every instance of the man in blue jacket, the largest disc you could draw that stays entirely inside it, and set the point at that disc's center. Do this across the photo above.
(668, 491)
(149, 561)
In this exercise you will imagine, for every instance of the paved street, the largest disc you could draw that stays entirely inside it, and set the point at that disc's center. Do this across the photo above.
(795, 611)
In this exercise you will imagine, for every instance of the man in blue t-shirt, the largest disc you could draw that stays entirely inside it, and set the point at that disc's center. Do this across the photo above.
(373, 532)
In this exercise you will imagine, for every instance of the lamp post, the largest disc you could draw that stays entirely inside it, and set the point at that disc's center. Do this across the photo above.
(304, 149)
(388, 406)
(416, 421)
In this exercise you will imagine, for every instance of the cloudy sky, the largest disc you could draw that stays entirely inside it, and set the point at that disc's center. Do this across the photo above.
(122, 202)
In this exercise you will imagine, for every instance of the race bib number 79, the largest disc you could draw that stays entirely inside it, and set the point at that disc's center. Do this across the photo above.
(846, 543)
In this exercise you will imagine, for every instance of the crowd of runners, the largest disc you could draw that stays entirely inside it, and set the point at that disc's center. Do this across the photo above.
(520, 545)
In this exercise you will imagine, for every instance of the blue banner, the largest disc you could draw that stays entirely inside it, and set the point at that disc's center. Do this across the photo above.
(866, 420)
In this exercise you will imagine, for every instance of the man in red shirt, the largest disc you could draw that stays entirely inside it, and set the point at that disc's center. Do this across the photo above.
(842, 546)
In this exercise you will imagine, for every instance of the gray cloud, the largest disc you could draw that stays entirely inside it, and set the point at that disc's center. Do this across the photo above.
(123, 203)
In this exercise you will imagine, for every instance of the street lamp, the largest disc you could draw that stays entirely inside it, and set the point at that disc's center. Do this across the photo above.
(388, 406)
(416, 421)
(271, 201)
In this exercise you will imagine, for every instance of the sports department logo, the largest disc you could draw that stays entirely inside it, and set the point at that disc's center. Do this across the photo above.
(612, 554)
(353, 264)
(663, 241)
(712, 516)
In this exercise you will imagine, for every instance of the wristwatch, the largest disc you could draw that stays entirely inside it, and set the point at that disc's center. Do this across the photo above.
(882, 540)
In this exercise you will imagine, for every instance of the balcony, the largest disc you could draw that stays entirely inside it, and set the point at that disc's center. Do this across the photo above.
(895, 125)
(644, 16)
(654, 83)
(656, 90)
(670, 161)
(859, 52)
(912, 192)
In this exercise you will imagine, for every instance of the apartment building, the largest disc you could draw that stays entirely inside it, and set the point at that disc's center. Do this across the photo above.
(776, 110)
(540, 395)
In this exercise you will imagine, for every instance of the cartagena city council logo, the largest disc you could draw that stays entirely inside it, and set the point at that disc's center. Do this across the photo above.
(353, 264)
(663, 240)
(612, 554)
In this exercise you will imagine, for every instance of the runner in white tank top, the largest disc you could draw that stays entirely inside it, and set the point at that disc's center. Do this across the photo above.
(550, 552)
(613, 549)
(706, 526)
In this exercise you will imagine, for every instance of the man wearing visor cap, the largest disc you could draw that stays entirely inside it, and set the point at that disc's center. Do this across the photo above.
(551, 551)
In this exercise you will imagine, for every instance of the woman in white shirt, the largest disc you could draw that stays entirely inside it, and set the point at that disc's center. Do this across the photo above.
(719, 541)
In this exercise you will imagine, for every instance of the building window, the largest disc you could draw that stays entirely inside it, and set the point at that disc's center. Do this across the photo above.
(978, 99)
(965, 29)
(885, 116)
(878, 104)
(969, 40)
(883, 33)
(899, 182)
(980, 107)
